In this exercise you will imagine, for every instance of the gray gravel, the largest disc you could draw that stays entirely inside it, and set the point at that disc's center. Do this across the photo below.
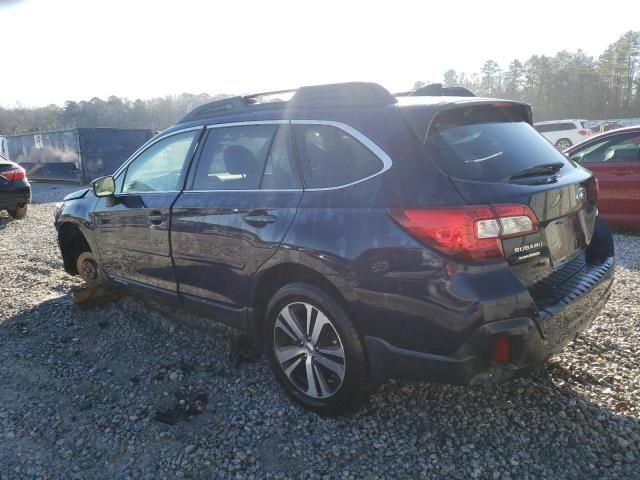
(88, 394)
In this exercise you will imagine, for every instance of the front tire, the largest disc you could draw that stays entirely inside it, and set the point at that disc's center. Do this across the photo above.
(563, 144)
(19, 212)
(314, 350)
(88, 269)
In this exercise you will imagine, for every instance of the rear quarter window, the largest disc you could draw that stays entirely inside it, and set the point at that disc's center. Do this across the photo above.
(330, 157)
(488, 143)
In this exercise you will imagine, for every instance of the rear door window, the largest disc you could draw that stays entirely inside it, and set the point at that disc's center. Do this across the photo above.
(233, 158)
(488, 143)
(281, 171)
(330, 157)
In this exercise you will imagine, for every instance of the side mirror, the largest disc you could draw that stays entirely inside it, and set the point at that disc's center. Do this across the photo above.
(104, 186)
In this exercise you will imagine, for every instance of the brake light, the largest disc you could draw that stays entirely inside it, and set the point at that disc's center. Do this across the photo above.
(584, 133)
(16, 173)
(469, 232)
(593, 190)
(502, 350)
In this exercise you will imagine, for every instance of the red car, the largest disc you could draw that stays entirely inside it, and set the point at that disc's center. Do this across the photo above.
(614, 157)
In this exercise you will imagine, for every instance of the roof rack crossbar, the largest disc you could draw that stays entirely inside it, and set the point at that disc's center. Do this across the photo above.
(266, 94)
(353, 95)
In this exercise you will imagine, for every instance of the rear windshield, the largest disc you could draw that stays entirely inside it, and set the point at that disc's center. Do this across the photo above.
(488, 143)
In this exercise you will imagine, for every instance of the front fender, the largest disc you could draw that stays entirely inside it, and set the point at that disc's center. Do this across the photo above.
(78, 212)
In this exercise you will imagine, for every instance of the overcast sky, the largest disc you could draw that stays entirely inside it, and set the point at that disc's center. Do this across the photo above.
(77, 49)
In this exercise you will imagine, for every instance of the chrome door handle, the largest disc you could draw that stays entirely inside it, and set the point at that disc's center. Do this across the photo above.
(260, 220)
(156, 218)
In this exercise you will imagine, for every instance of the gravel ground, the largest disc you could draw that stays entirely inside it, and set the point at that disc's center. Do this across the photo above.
(133, 391)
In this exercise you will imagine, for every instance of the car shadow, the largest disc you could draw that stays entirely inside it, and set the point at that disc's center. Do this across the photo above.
(59, 362)
(5, 218)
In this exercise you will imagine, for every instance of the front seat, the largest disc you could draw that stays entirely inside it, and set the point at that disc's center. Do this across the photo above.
(239, 160)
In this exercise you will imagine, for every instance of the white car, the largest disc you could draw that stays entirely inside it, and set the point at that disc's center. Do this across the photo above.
(564, 133)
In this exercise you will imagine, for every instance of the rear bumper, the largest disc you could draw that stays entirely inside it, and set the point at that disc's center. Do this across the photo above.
(11, 197)
(532, 340)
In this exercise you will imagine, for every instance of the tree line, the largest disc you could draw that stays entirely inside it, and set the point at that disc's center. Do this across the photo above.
(155, 114)
(567, 85)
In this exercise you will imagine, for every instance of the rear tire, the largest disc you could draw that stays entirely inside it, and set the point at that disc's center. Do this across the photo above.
(314, 350)
(19, 212)
(563, 144)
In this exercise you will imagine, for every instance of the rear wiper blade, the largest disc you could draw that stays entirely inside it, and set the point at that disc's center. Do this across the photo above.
(543, 169)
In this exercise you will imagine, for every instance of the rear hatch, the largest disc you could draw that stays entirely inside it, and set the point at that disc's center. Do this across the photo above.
(494, 156)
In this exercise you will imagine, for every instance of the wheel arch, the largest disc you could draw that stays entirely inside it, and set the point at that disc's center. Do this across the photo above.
(72, 242)
(269, 281)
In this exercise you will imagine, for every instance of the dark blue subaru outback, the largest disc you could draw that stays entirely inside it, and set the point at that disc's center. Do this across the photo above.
(357, 235)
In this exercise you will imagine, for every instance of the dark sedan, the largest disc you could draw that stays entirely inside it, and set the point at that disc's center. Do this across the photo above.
(15, 191)
(614, 157)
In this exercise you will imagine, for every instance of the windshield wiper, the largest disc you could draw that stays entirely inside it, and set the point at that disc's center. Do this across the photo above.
(538, 170)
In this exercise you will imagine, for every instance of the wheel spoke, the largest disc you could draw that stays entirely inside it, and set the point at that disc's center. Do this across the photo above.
(292, 323)
(333, 351)
(332, 365)
(287, 353)
(280, 325)
(324, 388)
(311, 382)
(321, 321)
(309, 310)
(292, 367)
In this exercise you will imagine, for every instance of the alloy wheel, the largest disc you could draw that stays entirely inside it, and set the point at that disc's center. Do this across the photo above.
(309, 350)
(563, 144)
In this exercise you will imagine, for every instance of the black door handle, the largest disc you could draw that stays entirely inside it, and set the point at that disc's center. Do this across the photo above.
(260, 219)
(156, 218)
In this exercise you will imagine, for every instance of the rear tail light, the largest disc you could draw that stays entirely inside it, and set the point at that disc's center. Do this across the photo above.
(593, 190)
(501, 350)
(469, 232)
(16, 173)
(584, 133)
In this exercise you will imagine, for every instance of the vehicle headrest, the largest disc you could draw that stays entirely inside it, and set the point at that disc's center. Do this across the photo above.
(239, 160)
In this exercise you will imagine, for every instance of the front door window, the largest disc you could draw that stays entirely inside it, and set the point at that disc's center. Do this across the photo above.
(159, 167)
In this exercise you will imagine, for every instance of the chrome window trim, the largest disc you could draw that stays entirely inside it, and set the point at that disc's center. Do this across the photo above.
(151, 192)
(366, 141)
(247, 123)
(252, 190)
(363, 139)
